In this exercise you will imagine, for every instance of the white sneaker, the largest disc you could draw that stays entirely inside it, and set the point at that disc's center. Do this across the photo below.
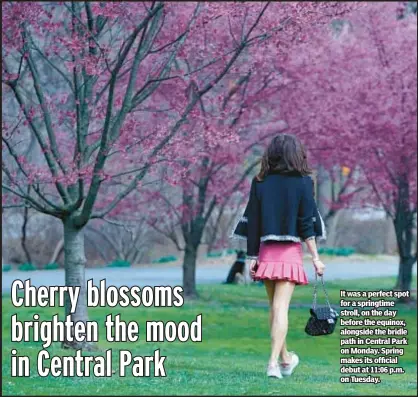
(274, 371)
(288, 369)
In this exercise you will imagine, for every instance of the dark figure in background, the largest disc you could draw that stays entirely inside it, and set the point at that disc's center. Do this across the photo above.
(236, 273)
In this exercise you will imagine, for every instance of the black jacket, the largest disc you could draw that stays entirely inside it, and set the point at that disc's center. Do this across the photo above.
(280, 208)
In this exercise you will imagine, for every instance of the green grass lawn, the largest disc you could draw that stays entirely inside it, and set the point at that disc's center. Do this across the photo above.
(232, 357)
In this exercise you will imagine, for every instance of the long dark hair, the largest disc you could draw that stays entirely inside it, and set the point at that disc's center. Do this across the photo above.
(285, 154)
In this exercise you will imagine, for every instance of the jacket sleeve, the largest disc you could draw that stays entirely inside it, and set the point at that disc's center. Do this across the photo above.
(254, 223)
(306, 212)
(240, 230)
(319, 225)
(248, 226)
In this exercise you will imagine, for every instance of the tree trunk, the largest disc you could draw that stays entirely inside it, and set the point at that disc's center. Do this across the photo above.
(336, 233)
(404, 281)
(404, 224)
(406, 258)
(189, 271)
(322, 185)
(57, 251)
(24, 234)
(211, 242)
(193, 232)
(331, 224)
(388, 235)
(75, 262)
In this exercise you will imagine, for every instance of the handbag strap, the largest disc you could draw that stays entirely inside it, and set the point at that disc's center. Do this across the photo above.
(315, 294)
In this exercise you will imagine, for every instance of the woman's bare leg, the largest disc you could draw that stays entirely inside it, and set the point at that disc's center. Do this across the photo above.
(284, 353)
(270, 284)
(283, 291)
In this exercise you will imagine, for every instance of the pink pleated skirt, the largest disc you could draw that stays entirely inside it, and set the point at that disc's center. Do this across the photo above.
(281, 260)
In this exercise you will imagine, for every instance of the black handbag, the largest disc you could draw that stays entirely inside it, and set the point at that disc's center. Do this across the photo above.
(323, 319)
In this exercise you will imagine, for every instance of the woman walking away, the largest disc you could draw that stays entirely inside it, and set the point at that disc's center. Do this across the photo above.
(281, 213)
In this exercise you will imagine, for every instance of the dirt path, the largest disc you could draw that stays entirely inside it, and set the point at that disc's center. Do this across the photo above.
(207, 273)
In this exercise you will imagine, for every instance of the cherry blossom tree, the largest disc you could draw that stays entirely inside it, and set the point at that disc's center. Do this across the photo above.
(215, 167)
(243, 118)
(356, 99)
(106, 90)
